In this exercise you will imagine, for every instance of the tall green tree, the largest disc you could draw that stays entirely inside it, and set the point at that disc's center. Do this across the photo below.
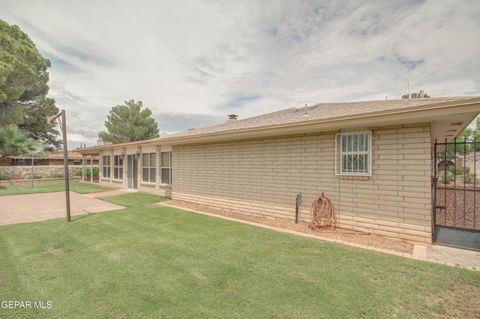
(23, 85)
(420, 95)
(129, 122)
(14, 141)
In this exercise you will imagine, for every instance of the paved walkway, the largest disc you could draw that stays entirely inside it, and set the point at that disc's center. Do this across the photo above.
(36, 207)
(454, 256)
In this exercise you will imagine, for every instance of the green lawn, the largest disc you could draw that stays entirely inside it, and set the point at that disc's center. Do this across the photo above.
(152, 262)
(49, 188)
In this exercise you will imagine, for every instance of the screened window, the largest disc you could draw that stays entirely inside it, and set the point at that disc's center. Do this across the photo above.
(118, 166)
(106, 166)
(149, 167)
(354, 153)
(166, 167)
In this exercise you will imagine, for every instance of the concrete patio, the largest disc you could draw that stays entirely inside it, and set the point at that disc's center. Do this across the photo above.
(16, 209)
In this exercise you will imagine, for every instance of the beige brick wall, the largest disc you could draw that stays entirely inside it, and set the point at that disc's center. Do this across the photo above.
(262, 177)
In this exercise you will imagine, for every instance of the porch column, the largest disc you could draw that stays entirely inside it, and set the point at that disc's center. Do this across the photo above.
(91, 168)
(83, 168)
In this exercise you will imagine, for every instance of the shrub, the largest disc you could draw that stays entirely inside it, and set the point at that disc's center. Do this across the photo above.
(58, 175)
(88, 172)
(29, 176)
(4, 176)
(445, 179)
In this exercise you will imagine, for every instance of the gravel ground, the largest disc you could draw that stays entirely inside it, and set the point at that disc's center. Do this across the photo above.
(462, 207)
(338, 233)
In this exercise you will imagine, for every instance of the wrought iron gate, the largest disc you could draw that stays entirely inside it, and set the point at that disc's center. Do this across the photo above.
(456, 193)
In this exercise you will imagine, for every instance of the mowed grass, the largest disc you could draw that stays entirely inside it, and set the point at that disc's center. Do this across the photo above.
(146, 261)
(133, 199)
(49, 188)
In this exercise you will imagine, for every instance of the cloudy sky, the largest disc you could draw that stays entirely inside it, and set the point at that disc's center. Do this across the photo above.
(194, 62)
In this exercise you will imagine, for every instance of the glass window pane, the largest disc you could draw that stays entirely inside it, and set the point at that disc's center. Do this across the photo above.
(354, 153)
(166, 159)
(153, 159)
(355, 163)
(145, 160)
(361, 161)
(145, 174)
(165, 176)
(153, 172)
(120, 175)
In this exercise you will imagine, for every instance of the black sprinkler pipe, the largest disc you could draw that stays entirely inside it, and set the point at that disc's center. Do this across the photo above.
(298, 201)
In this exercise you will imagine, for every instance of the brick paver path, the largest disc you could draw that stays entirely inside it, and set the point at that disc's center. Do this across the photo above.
(35, 207)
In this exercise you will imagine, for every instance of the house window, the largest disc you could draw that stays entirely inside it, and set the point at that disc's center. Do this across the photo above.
(106, 166)
(354, 153)
(118, 167)
(149, 170)
(166, 167)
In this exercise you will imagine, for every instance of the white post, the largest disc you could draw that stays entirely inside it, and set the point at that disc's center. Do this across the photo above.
(83, 168)
(91, 168)
(33, 170)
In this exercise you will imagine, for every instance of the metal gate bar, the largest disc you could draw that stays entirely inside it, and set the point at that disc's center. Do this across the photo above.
(459, 221)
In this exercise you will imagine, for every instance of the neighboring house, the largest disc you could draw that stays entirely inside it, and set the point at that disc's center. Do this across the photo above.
(52, 158)
(373, 159)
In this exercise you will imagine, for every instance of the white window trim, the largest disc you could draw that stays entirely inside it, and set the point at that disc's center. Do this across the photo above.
(118, 167)
(149, 167)
(106, 164)
(338, 151)
(169, 168)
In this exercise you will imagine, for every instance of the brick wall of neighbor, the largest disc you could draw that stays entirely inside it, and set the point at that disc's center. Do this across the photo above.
(262, 177)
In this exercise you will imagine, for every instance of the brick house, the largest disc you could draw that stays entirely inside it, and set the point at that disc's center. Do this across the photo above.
(373, 159)
(52, 158)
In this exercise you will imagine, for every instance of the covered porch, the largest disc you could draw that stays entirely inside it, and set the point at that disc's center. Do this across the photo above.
(90, 168)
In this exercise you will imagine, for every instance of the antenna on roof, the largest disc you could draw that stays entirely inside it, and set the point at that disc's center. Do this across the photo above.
(305, 111)
(408, 84)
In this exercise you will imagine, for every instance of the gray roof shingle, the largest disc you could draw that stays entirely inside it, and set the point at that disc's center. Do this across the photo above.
(321, 111)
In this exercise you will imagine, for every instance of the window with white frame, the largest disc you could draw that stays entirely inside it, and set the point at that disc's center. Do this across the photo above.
(354, 153)
(166, 167)
(118, 166)
(106, 166)
(149, 167)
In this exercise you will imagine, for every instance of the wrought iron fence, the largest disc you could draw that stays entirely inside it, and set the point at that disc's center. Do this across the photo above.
(456, 192)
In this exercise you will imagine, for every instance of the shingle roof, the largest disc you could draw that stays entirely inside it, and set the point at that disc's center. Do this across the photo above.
(322, 111)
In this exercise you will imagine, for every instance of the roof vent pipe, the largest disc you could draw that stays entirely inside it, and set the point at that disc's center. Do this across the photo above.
(232, 117)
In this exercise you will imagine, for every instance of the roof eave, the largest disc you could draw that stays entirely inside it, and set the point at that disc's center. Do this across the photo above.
(415, 114)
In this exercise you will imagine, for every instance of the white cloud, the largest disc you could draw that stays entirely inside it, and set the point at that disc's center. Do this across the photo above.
(193, 62)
